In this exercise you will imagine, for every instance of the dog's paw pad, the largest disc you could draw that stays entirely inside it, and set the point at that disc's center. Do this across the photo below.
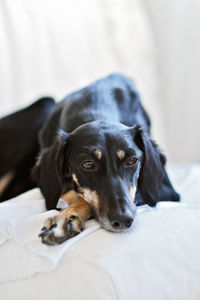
(58, 229)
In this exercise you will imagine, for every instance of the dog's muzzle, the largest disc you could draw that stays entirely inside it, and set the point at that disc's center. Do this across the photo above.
(121, 221)
(118, 220)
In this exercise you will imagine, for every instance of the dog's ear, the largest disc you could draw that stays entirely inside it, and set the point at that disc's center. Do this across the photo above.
(152, 169)
(50, 170)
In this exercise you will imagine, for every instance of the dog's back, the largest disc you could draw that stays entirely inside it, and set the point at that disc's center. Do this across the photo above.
(113, 98)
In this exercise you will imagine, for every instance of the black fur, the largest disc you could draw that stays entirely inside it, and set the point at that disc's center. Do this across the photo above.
(19, 145)
(106, 115)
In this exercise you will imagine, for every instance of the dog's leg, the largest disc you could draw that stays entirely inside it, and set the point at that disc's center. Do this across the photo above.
(67, 224)
(70, 197)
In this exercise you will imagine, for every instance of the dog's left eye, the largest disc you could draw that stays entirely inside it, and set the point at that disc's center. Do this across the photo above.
(90, 165)
(131, 161)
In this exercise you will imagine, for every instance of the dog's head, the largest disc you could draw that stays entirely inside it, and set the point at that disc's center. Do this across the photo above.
(105, 163)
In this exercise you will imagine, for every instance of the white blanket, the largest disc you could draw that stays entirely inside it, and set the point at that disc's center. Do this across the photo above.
(22, 254)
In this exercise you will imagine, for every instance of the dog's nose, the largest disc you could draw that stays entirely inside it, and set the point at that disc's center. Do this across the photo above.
(121, 221)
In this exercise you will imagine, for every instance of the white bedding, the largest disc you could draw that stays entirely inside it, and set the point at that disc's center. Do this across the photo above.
(159, 259)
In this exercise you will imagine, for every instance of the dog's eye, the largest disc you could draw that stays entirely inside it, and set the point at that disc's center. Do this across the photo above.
(88, 165)
(131, 161)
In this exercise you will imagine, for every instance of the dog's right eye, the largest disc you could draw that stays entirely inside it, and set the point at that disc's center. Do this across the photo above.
(131, 161)
(90, 165)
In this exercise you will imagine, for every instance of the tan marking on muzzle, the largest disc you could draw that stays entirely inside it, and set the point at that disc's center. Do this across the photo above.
(75, 179)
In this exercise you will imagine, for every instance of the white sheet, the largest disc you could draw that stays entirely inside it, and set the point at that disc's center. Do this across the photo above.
(158, 260)
(21, 252)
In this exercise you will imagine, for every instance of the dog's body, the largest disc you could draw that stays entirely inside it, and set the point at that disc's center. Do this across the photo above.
(97, 143)
(20, 146)
(104, 153)
(112, 99)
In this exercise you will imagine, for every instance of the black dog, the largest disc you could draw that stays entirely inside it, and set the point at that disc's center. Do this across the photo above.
(97, 143)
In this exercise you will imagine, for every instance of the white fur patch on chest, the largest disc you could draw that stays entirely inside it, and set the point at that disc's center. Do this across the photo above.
(90, 196)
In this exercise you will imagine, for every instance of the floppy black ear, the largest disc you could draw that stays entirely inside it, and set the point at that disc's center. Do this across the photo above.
(50, 169)
(152, 169)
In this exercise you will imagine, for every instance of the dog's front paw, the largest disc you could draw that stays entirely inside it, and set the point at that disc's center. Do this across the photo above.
(60, 228)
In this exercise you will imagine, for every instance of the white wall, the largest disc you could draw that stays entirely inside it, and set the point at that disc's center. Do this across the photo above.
(176, 24)
(50, 47)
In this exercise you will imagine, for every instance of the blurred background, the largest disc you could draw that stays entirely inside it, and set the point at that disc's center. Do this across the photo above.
(50, 47)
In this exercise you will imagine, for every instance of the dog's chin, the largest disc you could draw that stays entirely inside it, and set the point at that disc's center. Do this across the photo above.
(104, 222)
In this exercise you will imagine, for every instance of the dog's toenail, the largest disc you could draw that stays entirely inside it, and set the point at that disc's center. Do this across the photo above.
(44, 228)
(43, 231)
(49, 232)
(53, 226)
(69, 225)
(41, 234)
